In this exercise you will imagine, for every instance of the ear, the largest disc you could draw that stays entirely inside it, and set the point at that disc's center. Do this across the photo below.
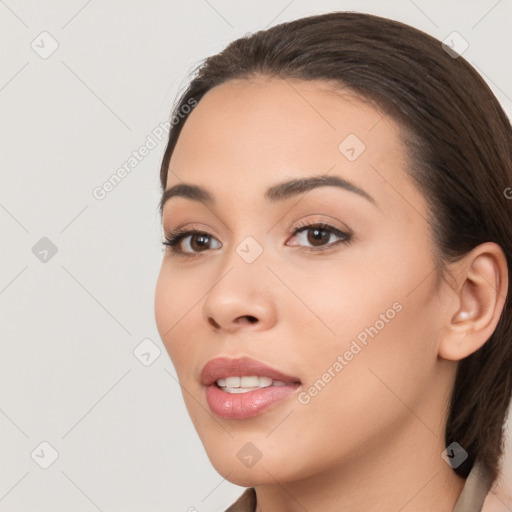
(479, 294)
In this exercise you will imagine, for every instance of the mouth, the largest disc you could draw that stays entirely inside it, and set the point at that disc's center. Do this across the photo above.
(243, 388)
(247, 383)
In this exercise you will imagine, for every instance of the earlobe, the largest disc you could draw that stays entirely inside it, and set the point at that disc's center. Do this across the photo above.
(481, 290)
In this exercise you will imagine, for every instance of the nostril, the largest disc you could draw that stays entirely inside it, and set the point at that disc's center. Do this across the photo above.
(243, 319)
(246, 319)
(211, 321)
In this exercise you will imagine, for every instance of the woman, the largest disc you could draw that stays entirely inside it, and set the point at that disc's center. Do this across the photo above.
(333, 293)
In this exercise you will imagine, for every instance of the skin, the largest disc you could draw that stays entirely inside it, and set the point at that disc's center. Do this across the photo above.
(372, 438)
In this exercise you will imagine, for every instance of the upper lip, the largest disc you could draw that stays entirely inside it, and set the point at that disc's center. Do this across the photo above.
(222, 367)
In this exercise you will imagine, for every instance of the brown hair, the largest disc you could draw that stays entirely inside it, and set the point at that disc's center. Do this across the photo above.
(459, 142)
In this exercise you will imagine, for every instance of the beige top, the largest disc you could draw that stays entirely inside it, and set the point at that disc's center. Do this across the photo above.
(471, 498)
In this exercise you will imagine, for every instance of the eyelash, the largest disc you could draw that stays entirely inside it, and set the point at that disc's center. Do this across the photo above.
(175, 237)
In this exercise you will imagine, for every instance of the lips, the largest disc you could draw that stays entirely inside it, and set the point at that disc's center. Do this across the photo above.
(225, 403)
(222, 367)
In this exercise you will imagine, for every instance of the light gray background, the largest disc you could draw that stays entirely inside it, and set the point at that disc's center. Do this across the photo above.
(69, 325)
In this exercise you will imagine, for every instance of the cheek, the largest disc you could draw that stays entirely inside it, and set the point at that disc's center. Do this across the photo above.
(357, 400)
(163, 305)
(174, 301)
(383, 342)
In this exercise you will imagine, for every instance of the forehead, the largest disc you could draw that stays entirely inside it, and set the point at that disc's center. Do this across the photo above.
(276, 118)
(265, 130)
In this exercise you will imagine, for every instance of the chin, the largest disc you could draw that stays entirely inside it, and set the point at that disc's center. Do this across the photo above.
(247, 478)
(234, 463)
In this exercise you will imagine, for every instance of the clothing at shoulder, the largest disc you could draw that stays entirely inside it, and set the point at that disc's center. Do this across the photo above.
(246, 502)
(475, 490)
(471, 498)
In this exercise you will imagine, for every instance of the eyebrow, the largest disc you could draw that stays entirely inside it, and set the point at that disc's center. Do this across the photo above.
(279, 192)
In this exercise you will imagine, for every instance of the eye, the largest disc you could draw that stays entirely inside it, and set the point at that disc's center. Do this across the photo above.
(318, 234)
(194, 240)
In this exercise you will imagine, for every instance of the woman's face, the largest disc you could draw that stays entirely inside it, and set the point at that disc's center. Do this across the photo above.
(355, 323)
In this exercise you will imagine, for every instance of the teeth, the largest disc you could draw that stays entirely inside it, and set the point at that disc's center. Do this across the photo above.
(237, 390)
(232, 382)
(250, 382)
(265, 382)
(247, 383)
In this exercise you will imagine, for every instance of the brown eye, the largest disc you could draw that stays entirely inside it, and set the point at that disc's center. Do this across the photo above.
(317, 236)
(189, 242)
(199, 241)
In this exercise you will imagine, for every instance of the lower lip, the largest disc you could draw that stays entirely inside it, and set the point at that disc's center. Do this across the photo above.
(237, 406)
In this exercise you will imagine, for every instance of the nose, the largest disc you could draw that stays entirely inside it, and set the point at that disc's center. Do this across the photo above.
(243, 297)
